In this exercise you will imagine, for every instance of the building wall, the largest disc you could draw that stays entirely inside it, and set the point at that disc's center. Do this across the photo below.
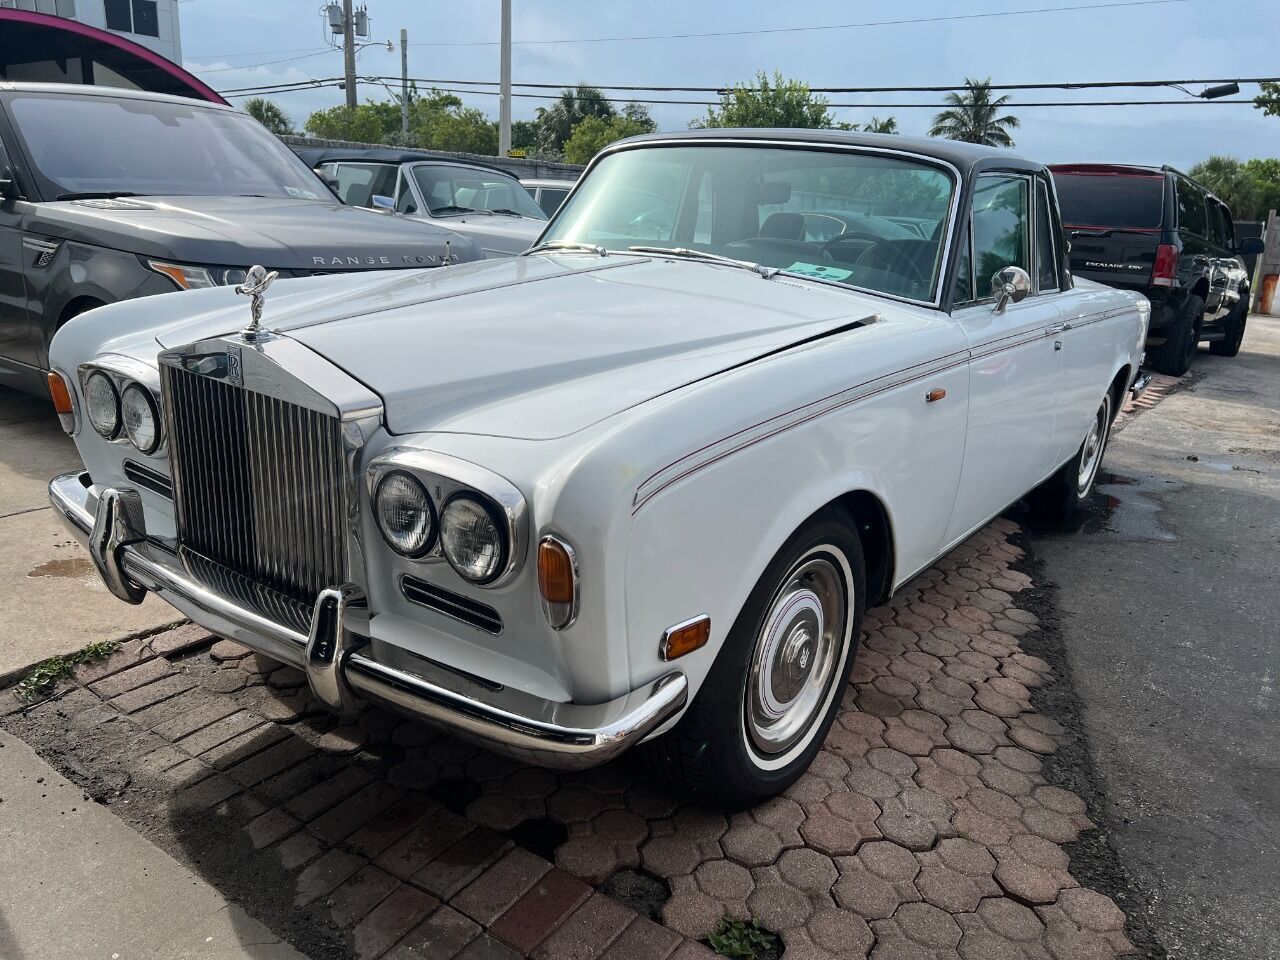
(167, 40)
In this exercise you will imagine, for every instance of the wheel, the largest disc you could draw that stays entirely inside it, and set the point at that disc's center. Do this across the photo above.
(1174, 356)
(769, 699)
(1234, 327)
(1059, 497)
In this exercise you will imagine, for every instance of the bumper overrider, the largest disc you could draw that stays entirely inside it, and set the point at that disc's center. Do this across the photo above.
(332, 649)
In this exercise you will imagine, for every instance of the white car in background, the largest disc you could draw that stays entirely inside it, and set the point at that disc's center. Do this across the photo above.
(481, 202)
(549, 194)
(624, 487)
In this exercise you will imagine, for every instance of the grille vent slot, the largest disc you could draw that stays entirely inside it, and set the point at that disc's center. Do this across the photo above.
(479, 615)
(149, 479)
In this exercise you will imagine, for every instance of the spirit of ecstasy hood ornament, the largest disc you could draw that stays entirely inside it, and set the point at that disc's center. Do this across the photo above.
(255, 285)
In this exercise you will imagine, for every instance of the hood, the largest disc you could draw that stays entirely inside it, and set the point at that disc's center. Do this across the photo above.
(498, 234)
(239, 231)
(543, 346)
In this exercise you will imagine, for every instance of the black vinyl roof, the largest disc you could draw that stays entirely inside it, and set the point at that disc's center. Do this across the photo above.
(314, 156)
(967, 157)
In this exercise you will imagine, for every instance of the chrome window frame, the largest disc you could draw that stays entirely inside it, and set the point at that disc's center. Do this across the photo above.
(1039, 183)
(958, 184)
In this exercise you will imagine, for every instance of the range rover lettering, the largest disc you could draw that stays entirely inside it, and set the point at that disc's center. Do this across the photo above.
(634, 487)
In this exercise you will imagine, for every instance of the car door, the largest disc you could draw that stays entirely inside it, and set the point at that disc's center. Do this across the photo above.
(16, 341)
(1015, 357)
(1193, 230)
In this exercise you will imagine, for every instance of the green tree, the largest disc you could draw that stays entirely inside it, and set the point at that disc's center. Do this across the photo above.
(769, 103)
(1268, 101)
(975, 117)
(365, 123)
(555, 123)
(1230, 180)
(459, 129)
(269, 114)
(524, 134)
(1266, 181)
(888, 125)
(592, 135)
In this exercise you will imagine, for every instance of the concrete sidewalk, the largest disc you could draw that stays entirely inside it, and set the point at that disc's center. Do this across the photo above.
(76, 883)
(52, 600)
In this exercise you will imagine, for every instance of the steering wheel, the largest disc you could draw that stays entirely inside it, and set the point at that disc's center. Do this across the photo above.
(826, 245)
(893, 263)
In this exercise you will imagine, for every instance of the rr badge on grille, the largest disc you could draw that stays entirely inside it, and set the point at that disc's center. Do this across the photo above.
(256, 281)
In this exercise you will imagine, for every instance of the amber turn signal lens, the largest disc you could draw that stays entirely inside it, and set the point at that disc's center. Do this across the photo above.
(61, 393)
(555, 572)
(686, 637)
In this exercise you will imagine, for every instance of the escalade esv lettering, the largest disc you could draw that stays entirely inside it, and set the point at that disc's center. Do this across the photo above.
(639, 483)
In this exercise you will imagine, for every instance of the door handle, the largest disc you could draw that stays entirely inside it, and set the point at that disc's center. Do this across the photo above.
(1057, 327)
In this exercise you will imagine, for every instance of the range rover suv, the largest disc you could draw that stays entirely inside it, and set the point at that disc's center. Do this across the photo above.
(1157, 231)
(108, 194)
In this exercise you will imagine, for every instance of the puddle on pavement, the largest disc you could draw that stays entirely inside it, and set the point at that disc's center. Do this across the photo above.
(1124, 508)
(66, 568)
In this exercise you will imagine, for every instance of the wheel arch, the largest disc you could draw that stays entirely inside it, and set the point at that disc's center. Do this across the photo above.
(1119, 384)
(871, 520)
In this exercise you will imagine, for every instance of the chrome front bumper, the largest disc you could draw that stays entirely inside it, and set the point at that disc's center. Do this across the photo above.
(328, 643)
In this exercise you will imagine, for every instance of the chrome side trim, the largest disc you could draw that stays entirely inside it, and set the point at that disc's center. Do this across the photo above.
(512, 721)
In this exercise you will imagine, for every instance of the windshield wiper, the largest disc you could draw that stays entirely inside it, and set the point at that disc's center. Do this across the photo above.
(1108, 231)
(757, 268)
(96, 195)
(452, 208)
(570, 245)
(506, 212)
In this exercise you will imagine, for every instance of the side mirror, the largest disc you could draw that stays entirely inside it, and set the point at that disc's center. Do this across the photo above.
(382, 204)
(8, 185)
(1012, 284)
(1251, 247)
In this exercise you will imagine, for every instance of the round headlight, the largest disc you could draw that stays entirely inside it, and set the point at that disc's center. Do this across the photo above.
(405, 514)
(141, 419)
(102, 404)
(472, 539)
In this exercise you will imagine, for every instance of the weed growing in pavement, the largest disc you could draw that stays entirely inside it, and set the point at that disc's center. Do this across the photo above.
(45, 676)
(744, 940)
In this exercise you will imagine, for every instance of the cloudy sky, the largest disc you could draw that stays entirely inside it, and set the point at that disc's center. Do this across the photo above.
(238, 43)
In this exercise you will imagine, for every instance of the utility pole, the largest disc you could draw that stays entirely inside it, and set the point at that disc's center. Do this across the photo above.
(349, 51)
(404, 81)
(504, 105)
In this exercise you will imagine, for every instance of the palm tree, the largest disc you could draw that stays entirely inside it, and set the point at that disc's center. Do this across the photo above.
(889, 125)
(269, 114)
(555, 123)
(974, 117)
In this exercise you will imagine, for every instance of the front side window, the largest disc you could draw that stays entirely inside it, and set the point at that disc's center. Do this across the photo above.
(1001, 227)
(153, 148)
(359, 183)
(450, 191)
(1046, 240)
(866, 220)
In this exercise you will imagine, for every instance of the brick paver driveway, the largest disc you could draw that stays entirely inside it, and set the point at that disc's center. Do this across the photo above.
(925, 827)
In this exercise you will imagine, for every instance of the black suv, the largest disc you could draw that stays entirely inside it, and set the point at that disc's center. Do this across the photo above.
(1156, 230)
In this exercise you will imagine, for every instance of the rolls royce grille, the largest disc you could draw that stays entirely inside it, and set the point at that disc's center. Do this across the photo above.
(258, 482)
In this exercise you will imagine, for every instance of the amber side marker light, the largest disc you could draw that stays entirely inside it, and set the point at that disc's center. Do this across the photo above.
(60, 391)
(686, 637)
(558, 581)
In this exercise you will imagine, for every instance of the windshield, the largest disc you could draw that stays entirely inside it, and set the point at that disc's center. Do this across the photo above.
(1134, 201)
(454, 190)
(103, 145)
(865, 220)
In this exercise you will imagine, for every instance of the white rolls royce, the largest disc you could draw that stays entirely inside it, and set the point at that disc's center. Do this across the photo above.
(639, 483)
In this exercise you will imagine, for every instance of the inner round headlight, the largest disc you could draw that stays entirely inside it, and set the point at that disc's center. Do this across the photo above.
(472, 539)
(141, 418)
(102, 404)
(405, 514)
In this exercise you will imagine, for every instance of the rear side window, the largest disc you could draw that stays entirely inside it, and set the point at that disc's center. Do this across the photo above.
(1046, 242)
(1133, 201)
(1191, 214)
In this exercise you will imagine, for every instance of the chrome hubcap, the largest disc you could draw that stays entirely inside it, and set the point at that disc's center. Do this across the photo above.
(795, 656)
(1094, 443)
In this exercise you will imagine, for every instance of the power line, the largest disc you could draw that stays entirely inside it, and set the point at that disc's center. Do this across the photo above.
(374, 81)
(833, 26)
(265, 63)
(1067, 85)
